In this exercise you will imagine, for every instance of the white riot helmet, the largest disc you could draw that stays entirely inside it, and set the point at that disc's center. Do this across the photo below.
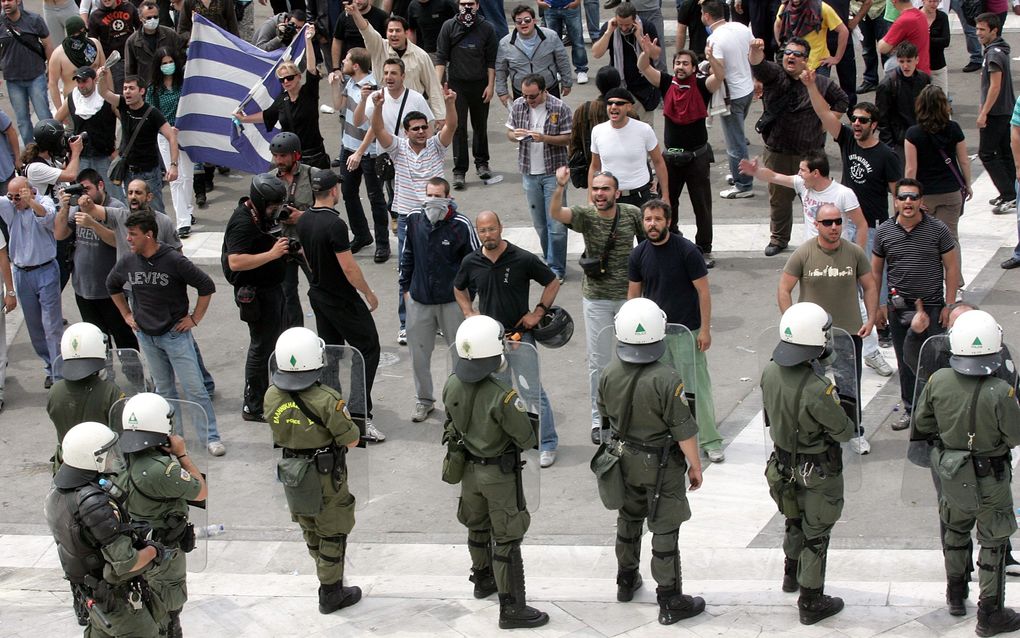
(803, 334)
(479, 348)
(88, 449)
(975, 341)
(640, 330)
(83, 351)
(299, 359)
(148, 422)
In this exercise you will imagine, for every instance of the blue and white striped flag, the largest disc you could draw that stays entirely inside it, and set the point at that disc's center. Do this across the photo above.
(222, 72)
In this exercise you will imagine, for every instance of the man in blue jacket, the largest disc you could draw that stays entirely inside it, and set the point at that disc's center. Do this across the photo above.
(438, 238)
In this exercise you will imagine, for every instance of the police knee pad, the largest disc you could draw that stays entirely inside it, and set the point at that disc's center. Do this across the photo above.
(793, 523)
(817, 545)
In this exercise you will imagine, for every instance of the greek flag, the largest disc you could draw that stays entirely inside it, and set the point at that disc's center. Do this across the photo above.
(222, 73)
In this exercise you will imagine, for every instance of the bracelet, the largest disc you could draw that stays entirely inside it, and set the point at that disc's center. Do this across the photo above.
(192, 317)
(181, 456)
(542, 306)
(173, 163)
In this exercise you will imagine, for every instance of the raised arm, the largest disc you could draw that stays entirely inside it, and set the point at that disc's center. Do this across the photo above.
(828, 117)
(649, 51)
(558, 211)
(378, 127)
(450, 125)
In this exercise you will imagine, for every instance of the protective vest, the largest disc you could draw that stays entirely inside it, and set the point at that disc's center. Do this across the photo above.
(82, 521)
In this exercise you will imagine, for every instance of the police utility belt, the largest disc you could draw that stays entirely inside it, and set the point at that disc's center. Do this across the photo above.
(824, 464)
(109, 597)
(984, 465)
(507, 461)
(620, 445)
(327, 459)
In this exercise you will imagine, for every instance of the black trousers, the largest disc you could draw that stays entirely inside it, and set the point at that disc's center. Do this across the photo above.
(351, 190)
(469, 102)
(696, 176)
(340, 323)
(898, 332)
(293, 315)
(103, 314)
(996, 156)
(263, 333)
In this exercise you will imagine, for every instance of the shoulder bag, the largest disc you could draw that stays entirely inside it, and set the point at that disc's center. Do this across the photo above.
(119, 166)
(595, 267)
(606, 462)
(955, 468)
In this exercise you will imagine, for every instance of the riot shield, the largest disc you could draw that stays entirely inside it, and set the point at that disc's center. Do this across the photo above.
(344, 371)
(840, 368)
(522, 372)
(123, 367)
(190, 422)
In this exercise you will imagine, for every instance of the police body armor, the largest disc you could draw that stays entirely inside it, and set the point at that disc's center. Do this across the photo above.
(82, 520)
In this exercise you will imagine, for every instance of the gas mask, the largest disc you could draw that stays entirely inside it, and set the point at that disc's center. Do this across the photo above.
(436, 208)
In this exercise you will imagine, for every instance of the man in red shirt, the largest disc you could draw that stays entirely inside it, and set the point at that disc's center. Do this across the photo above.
(911, 26)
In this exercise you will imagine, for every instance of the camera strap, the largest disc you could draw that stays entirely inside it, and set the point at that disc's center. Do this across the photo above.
(611, 240)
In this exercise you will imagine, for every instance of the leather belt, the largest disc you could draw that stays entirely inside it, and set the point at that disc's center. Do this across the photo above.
(636, 191)
(31, 268)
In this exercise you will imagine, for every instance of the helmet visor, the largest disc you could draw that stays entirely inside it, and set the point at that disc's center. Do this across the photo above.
(109, 458)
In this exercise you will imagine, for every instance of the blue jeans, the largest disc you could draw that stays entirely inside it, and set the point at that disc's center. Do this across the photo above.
(173, 354)
(549, 439)
(551, 233)
(154, 178)
(557, 19)
(495, 15)
(39, 298)
(969, 33)
(591, 16)
(598, 314)
(101, 166)
(21, 92)
(736, 141)
(401, 234)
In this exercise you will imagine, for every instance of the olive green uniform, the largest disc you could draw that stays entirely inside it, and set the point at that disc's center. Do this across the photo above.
(951, 406)
(490, 419)
(320, 503)
(648, 402)
(127, 621)
(805, 420)
(158, 490)
(74, 402)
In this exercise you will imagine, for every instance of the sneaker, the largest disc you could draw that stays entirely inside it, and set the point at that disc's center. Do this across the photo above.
(216, 448)
(709, 260)
(735, 193)
(1005, 207)
(1012, 566)
(729, 179)
(327, 109)
(200, 200)
(860, 445)
(877, 362)
(184, 232)
(255, 417)
(995, 201)
(48, 382)
(421, 412)
(372, 434)
(971, 67)
(582, 77)
(458, 182)
(547, 458)
(484, 172)
(902, 423)
(716, 455)
(402, 337)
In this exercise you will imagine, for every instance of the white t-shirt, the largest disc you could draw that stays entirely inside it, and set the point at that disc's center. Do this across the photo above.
(41, 175)
(840, 196)
(391, 109)
(536, 122)
(730, 44)
(624, 151)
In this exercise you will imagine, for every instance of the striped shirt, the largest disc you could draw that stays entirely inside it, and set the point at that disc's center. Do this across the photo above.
(413, 170)
(913, 258)
(353, 136)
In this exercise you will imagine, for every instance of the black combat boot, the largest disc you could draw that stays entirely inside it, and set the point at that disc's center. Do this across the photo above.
(485, 582)
(993, 618)
(628, 581)
(814, 605)
(514, 613)
(790, 576)
(336, 596)
(956, 592)
(675, 606)
(173, 625)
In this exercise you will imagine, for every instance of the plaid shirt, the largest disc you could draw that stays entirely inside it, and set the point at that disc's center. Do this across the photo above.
(558, 121)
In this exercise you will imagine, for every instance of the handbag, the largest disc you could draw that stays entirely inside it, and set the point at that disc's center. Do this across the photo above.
(964, 189)
(384, 168)
(955, 468)
(119, 166)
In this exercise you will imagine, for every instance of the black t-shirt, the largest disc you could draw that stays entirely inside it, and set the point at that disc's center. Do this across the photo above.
(686, 136)
(503, 286)
(932, 170)
(101, 130)
(667, 273)
(243, 237)
(867, 172)
(323, 234)
(427, 18)
(301, 117)
(637, 84)
(144, 153)
(688, 13)
(347, 31)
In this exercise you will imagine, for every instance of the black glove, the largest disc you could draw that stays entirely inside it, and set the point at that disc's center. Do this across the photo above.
(163, 553)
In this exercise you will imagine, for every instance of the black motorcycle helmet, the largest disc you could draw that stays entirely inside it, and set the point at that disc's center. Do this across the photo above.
(285, 142)
(554, 329)
(49, 136)
(267, 189)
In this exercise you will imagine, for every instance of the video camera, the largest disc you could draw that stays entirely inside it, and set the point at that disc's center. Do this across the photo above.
(74, 190)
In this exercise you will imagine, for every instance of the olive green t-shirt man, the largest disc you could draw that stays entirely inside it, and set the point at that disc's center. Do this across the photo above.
(596, 230)
(829, 279)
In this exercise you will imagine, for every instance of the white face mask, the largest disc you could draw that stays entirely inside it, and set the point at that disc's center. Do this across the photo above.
(436, 208)
(151, 24)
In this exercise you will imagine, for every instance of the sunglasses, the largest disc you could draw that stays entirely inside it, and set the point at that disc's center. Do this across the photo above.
(617, 103)
(912, 197)
(863, 119)
(828, 223)
(795, 53)
(533, 96)
(420, 127)
(14, 197)
(524, 21)
(287, 78)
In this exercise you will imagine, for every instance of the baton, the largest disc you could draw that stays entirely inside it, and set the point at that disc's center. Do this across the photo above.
(90, 603)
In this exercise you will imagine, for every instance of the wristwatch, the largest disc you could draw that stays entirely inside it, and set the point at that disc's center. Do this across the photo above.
(11, 293)
(173, 164)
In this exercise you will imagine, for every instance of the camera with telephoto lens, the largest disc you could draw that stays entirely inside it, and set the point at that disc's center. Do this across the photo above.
(70, 137)
(287, 32)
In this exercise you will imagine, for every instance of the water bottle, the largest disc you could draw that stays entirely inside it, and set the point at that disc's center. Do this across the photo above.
(111, 489)
(210, 530)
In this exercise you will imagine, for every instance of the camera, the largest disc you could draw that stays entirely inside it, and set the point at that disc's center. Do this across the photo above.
(74, 190)
(68, 138)
(287, 32)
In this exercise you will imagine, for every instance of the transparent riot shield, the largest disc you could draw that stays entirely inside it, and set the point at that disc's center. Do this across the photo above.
(192, 424)
(344, 371)
(522, 372)
(123, 366)
(840, 368)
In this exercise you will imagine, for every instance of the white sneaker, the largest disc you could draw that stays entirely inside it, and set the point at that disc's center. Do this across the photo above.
(373, 435)
(547, 458)
(327, 109)
(402, 337)
(216, 448)
(582, 77)
(729, 179)
(735, 193)
(860, 445)
(876, 362)
(716, 455)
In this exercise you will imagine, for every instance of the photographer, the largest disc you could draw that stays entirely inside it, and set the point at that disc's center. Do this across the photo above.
(92, 118)
(286, 150)
(278, 31)
(252, 260)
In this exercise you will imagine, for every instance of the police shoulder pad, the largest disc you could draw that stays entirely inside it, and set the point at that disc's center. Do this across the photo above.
(679, 392)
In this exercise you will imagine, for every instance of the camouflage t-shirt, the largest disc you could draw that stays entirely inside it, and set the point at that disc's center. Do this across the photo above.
(596, 229)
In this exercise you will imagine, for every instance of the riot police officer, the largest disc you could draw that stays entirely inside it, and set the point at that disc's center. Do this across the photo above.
(160, 480)
(101, 552)
(81, 395)
(310, 421)
(486, 428)
(973, 419)
(804, 473)
(654, 441)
